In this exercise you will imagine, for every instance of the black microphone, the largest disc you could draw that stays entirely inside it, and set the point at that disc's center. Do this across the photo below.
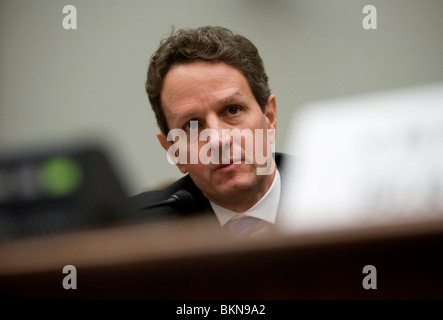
(181, 199)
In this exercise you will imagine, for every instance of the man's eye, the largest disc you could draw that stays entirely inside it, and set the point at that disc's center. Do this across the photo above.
(233, 110)
(193, 124)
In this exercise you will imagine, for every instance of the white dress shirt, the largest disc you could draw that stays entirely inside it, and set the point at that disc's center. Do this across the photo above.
(265, 209)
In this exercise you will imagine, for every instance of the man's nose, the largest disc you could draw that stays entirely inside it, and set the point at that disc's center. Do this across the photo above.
(220, 135)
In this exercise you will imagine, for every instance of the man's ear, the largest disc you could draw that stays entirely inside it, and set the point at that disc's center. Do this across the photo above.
(271, 114)
(166, 145)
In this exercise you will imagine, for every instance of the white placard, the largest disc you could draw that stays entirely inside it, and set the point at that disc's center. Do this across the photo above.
(368, 159)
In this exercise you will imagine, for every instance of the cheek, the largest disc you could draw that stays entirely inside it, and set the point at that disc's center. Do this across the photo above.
(258, 121)
(199, 173)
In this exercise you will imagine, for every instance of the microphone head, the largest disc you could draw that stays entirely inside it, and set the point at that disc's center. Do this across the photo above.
(185, 200)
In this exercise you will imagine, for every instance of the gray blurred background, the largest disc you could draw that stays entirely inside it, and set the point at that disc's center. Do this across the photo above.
(58, 84)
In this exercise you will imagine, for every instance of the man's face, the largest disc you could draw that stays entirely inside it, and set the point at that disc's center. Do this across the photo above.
(217, 96)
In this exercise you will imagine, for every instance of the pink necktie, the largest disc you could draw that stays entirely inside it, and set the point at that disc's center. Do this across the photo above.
(244, 226)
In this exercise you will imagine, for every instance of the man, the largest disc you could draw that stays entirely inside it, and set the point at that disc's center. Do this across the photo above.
(210, 80)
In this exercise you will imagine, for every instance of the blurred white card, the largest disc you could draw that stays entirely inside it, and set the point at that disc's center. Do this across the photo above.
(363, 160)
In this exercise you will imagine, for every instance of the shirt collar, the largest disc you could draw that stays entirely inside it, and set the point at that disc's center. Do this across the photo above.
(265, 209)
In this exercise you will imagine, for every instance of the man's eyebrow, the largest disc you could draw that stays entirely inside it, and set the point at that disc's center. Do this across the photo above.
(179, 118)
(231, 97)
(183, 115)
(186, 115)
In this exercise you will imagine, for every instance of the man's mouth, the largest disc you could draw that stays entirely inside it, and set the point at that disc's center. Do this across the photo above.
(228, 166)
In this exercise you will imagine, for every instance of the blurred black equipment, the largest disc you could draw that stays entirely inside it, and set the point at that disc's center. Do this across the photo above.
(181, 199)
(54, 190)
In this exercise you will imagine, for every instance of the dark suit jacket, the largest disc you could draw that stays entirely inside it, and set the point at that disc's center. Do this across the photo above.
(201, 204)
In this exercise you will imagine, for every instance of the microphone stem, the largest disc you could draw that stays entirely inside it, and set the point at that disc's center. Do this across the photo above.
(160, 204)
(181, 197)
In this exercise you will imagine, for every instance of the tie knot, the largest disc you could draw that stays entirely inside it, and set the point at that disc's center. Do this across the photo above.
(244, 225)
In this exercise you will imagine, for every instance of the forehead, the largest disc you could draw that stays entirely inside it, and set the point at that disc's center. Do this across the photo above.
(201, 72)
(195, 84)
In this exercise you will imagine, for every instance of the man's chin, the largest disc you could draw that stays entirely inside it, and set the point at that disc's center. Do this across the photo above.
(235, 188)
